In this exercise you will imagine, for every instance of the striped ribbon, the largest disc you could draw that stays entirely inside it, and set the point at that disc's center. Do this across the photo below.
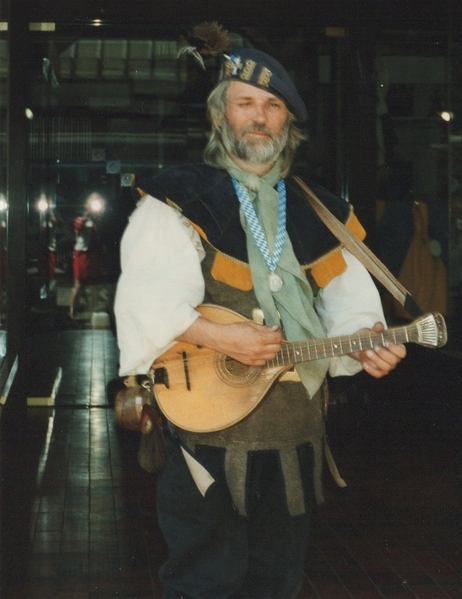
(256, 228)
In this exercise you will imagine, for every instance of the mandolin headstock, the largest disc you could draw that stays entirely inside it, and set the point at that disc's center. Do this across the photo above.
(430, 330)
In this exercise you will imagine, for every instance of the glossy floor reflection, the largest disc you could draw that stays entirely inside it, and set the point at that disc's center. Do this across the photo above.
(79, 514)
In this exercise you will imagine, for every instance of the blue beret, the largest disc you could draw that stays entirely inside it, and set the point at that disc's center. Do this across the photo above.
(259, 69)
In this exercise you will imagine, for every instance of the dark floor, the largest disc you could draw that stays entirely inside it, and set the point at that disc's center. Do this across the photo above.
(79, 518)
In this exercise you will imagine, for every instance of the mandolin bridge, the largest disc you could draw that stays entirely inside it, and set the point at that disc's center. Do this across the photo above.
(159, 376)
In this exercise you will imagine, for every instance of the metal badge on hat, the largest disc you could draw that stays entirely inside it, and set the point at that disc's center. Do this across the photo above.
(234, 65)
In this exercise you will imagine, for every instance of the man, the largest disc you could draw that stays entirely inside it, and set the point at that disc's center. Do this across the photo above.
(234, 504)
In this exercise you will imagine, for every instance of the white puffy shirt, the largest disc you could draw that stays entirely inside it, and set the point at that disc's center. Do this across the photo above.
(161, 284)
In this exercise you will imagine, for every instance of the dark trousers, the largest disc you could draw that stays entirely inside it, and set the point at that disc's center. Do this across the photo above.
(214, 553)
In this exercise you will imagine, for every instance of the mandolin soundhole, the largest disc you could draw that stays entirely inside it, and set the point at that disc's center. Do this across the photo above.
(234, 373)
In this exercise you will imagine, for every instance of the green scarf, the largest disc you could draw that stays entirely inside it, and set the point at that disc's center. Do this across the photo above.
(292, 305)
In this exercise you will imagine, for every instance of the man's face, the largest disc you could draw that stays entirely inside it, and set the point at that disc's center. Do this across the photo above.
(256, 124)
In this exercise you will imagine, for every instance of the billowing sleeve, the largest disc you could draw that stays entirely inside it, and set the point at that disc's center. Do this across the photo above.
(349, 302)
(160, 285)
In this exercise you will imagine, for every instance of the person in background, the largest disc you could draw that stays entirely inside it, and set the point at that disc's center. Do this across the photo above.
(87, 252)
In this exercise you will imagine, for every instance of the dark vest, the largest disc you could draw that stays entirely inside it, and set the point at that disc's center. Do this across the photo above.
(286, 419)
(206, 196)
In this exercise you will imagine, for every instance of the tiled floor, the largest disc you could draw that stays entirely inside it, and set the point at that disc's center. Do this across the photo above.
(79, 515)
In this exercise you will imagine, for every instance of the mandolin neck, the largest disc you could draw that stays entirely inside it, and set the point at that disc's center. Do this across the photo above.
(294, 352)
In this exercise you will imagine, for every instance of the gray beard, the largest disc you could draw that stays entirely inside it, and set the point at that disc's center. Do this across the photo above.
(254, 151)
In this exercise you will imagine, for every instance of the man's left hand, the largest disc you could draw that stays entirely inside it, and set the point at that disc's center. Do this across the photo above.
(379, 361)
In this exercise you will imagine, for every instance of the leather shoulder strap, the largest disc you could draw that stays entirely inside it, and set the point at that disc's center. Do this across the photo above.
(362, 252)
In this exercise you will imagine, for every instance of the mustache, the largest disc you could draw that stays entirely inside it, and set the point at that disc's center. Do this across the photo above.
(256, 128)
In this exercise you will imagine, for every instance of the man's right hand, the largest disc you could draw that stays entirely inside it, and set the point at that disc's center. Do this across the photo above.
(247, 342)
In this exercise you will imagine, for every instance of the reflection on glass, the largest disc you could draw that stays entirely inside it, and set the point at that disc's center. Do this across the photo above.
(109, 111)
(46, 246)
(87, 266)
(3, 265)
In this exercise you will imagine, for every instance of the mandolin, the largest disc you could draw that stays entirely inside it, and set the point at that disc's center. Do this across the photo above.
(201, 390)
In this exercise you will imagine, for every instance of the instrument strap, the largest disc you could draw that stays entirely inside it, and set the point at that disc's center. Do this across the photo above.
(362, 252)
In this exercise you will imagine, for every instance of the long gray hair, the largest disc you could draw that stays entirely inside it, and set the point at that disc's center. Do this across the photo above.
(215, 152)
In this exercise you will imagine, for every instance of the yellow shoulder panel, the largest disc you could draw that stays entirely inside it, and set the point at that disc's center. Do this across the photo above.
(232, 272)
(333, 264)
(228, 270)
